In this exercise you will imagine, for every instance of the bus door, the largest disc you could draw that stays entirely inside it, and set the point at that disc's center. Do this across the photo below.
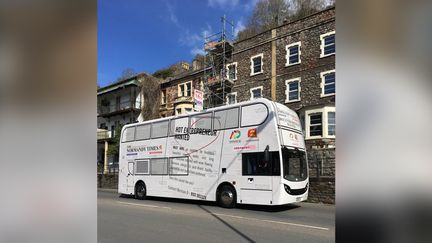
(256, 183)
(130, 177)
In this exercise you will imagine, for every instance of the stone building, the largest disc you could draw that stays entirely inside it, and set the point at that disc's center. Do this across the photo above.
(177, 92)
(293, 64)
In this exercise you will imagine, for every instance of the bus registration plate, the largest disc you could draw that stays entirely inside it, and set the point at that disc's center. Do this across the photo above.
(298, 199)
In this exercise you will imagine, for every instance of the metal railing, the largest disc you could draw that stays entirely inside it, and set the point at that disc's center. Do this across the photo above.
(104, 109)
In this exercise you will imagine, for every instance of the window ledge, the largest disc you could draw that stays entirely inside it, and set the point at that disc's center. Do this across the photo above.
(328, 55)
(292, 64)
(253, 74)
(292, 101)
(327, 95)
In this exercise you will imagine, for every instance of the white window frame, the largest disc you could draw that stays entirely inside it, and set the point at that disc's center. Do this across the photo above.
(287, 100)
(184, 84)
(235, 70)
(235, 98)
(328, 124)
(252, 64)
(324, 122)
(163, 97)
(323, 83)
(254, 88)
(287, 56)
(322, 37)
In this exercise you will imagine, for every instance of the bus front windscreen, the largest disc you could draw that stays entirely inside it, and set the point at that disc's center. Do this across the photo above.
(294, 164)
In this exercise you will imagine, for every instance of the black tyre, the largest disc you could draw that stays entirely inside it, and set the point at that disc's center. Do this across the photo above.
(227, 197)
(140, 191)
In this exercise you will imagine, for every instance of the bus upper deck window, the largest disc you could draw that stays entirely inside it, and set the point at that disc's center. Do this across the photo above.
(253, 115)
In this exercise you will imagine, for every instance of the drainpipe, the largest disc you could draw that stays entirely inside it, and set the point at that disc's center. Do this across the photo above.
(273, 65)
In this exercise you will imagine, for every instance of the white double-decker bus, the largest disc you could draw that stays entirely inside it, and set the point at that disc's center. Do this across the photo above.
(251, 152)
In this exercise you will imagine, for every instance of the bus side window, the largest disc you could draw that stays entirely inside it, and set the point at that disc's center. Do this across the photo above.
(253, 115)
(203, 121)
(159, 166)
(226, 119)
(254, 164)
(128, 134)
(159, 129)
(178, 126)
(142, 132)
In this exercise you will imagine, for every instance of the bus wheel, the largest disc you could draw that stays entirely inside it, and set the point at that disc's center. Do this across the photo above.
(140, 191)
(227, 197)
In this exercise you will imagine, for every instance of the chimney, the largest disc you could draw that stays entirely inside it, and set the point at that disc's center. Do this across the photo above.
(196, 65)
(185, 66)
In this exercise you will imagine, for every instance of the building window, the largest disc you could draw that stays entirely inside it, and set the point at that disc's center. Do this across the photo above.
(292, 90)
(331, 122)
(320, 123)
(256, 92)
(231, 98)
(185, 89)
(315, 124)
(328, 44)
(163, 96)
(257, 64)
(328, 83)
(232, 71)
(293, 54)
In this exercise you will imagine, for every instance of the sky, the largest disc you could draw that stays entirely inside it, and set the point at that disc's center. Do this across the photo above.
(149, 35)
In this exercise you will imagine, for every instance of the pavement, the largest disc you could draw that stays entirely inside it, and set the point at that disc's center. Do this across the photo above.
(124, 219)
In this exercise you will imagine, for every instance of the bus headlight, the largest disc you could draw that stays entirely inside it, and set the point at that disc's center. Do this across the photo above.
(296, 191)
(287, 189)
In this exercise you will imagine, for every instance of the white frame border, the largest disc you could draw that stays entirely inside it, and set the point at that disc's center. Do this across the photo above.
(287, 64)
(178, 89)
(235, 97)
(262, 64)
(322, 43)
(287, 89)
(251, 93)
(322, 83)
(235, 70)
(324, 116)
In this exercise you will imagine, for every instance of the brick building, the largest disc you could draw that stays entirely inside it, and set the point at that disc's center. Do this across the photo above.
(293, 64)
(177, 92)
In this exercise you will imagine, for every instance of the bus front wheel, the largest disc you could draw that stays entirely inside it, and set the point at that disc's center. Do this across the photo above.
(140, 191)
(227, 197)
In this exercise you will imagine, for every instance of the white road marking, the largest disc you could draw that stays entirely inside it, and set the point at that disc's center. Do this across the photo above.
(143, 205)
(234, 216)
(272, 221)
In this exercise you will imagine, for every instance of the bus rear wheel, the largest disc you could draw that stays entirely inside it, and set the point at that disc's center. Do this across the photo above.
(140, 191)
(227, 197)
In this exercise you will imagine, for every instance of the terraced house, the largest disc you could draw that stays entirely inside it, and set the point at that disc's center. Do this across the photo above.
(293, 64)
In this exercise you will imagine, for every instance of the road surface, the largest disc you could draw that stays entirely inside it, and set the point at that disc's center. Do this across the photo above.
(123, 219)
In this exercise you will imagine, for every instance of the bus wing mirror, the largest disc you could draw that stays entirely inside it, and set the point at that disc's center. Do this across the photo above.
(267, 154)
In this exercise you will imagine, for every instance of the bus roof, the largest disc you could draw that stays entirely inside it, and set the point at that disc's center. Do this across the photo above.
(254, 101)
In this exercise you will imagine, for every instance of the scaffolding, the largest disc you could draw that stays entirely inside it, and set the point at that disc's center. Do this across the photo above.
(218, 49)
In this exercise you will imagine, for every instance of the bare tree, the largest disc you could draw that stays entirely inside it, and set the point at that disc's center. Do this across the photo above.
(150, 88)
(267, 14)
(127, 73)
(303, 8)
(271, 13)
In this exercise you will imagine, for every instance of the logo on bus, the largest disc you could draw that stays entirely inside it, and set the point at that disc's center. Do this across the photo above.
(236, 134)
(252, 133)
